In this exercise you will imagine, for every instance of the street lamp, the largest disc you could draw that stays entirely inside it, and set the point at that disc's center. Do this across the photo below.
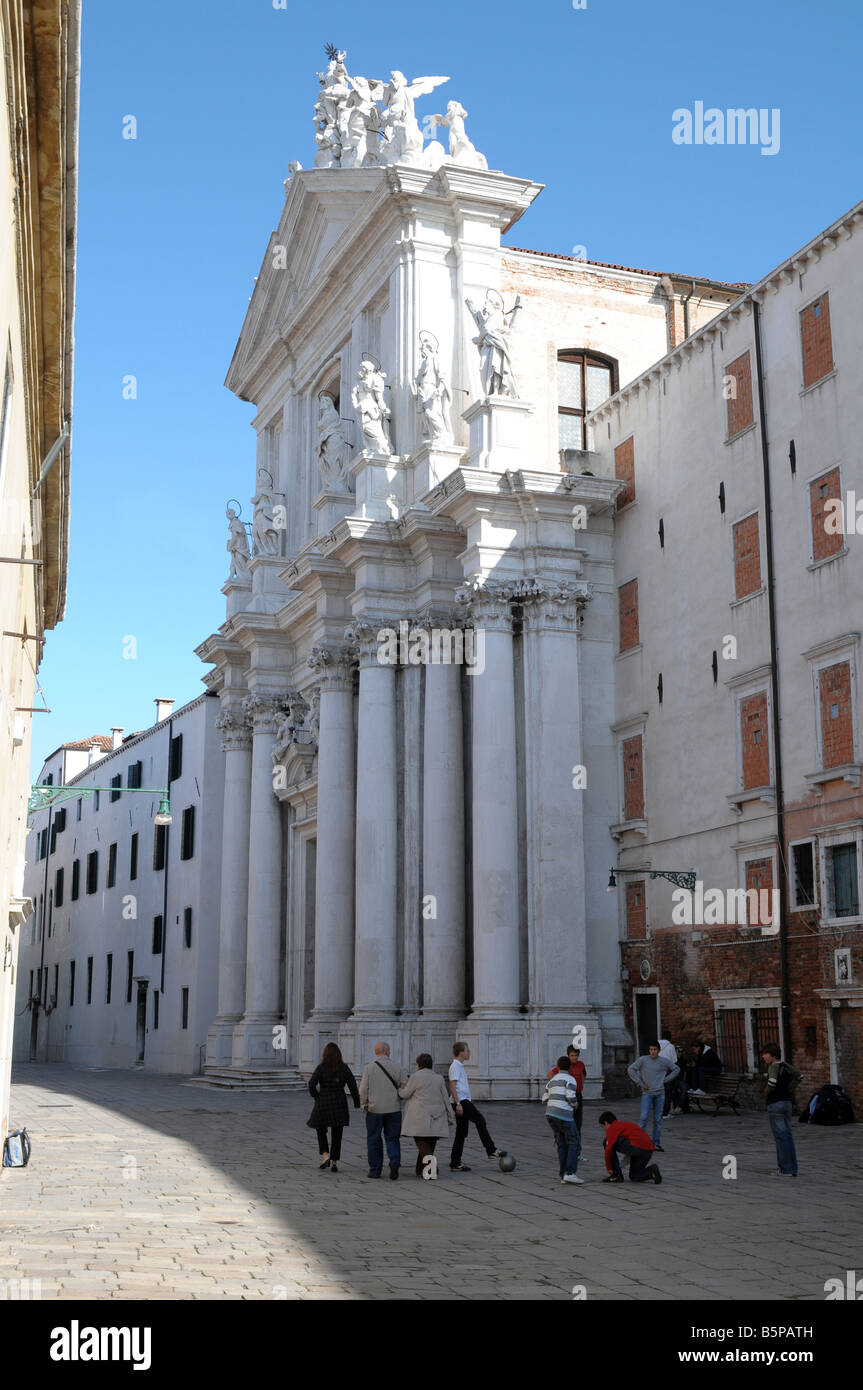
(681, 878)
(41, 797)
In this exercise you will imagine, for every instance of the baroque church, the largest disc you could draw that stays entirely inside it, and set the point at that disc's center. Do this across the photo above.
(417, 834)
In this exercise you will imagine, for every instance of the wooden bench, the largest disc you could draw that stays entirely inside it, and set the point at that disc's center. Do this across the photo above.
(721, 1090)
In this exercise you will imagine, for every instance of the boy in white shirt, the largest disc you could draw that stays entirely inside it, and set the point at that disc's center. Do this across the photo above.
(465, 1110)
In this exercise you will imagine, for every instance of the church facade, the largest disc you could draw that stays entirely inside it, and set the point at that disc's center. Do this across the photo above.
(417, 668)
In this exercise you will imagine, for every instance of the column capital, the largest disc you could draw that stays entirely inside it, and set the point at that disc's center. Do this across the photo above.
(368, 636)
(487, 603)
(236, 730)
(552, 604)
(263, 709)
(335, 665)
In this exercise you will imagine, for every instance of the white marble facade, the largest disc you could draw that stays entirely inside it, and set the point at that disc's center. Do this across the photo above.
(405, 855)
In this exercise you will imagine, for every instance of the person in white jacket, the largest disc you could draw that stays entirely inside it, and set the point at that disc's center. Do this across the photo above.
(427, 1114)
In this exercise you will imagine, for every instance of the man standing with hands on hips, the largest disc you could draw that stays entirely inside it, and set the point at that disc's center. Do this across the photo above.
(465, 1110)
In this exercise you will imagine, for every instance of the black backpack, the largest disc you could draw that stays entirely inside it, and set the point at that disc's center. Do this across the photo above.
(829, 1106)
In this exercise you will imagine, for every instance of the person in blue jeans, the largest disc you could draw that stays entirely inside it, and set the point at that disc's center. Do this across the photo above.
(561, 1099)
(652, 1072)
(782, 1081)
(379, 1097)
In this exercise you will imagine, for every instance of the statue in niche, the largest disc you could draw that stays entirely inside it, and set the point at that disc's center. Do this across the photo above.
(265, 534)
(432, 394)
(238, 546)
(371, 407)
(401, 137)
(332, 448)
(461, 150)
(492, 341)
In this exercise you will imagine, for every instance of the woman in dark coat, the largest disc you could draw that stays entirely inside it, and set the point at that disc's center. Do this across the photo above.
(330, 1110)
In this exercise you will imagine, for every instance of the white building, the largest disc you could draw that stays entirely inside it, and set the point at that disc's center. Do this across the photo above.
(444, 872)
(118, 960)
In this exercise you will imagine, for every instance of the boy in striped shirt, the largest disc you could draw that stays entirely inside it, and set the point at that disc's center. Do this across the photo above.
(561, 1097)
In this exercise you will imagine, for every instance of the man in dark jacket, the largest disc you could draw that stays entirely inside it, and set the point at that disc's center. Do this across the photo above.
(780, 1084)
(624, 1137)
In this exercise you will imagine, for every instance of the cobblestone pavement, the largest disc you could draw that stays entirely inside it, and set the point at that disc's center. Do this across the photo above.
(145, 1186)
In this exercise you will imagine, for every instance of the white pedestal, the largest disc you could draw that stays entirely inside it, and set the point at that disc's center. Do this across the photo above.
(331, 507)
(238, 593)
(380, 482)
(428, 466)
(498, 433)
(269, 592)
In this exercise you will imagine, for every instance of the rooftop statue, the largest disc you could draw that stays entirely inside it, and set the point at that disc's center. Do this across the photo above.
(401, 137)
(361, 122)
(461, 150)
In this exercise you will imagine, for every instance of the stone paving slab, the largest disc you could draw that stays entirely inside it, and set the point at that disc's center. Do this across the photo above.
(141, 1187)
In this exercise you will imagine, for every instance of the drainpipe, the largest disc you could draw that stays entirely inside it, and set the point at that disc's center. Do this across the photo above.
(774, 684)
(44, 928)
(685, 303)
(167, 829)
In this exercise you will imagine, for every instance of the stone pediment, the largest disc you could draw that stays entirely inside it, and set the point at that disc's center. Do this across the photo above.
(320, 208)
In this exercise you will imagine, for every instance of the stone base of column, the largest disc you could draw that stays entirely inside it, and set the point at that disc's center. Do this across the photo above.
(435, 1031)
(359, 1033)
(253, 1041)
(555, 1027)
(316, 1032)
(499, 1066)
(220, 1041)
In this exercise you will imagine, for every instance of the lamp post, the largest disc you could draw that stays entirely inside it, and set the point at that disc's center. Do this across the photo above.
(681, 878)
(42, 797)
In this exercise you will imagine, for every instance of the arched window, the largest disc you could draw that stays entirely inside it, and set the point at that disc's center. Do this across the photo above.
(584, 381)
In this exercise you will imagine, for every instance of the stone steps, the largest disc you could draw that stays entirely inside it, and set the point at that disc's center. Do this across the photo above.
(250, 1079)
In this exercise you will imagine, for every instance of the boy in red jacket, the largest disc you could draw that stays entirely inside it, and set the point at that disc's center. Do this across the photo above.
(624, 1137)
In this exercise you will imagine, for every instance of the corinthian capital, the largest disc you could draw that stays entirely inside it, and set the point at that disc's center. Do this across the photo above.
(553, 603)
(488, 603)
(263, 709)
(235, 728)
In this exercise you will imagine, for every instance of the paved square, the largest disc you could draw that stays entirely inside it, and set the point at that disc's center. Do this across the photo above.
(145, 1186)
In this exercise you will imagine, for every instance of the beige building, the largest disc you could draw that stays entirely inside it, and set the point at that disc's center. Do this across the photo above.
(38, 138)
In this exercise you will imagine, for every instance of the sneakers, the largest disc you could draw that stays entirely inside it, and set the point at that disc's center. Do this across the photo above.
(658, 1149)
(654, 1172)
(612, 1178)
(496, 1153)
(780, 1173)
(334, 1167)
(571, 1177)
(698, 1092)
(394, 1171)
(459, 1167)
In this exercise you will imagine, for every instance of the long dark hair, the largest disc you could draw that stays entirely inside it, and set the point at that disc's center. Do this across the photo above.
(331, 1058)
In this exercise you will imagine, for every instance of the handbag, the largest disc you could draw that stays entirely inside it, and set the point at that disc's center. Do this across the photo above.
(17, 1149)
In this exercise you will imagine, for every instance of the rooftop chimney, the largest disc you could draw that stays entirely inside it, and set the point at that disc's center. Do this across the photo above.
(163, 709)
(116, 738)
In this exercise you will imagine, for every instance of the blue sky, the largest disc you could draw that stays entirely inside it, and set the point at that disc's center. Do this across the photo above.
(173, 226)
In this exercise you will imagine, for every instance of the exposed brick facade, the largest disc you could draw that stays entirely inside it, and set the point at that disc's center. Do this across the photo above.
(624, 468)
(627, 599)
(754, 741)
(739, 402)
(837, 731)
(747, 557)
(636, 911)
(759, 878)
(824, 542)
(815, 340)
(633, 778)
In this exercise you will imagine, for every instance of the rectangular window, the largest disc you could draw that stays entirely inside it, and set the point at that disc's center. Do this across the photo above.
(187, 843)
(130, 975)
(133, 776)
(89, 979)
(55, 993)
(842, 887)
(155, 1008)
(133, 857)
(60, 820)
(747, 557)
(93, 871)
(176, 767)
(157, 936)
(71, 983)
(43, 843)
(95, 802)
(116, 783)
(187, 926)
(636, 911)
(78, 805)
(58, 888)
(160, 845)
(633, 778)
(803, 875)
(765, 1028)
(627, 603)
(837, 728)
(753, 735)
(624, 469)
(76, 879)
(185, 1009)
(815, 341)
(826, 519)
(738, 384)
(759, 880)
(109, 973)
(111, 876)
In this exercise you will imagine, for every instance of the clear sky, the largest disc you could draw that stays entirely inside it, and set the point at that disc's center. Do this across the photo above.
(174, 224)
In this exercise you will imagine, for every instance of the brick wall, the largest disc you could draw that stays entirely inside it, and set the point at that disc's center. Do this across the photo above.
(759, 877)
(624, 468)
(633, 778)
(837, 731)
(754, 740)
(815, 340)
(747, 557)
(627, 599)
(824, 542)
(636, 911)
(739, 403)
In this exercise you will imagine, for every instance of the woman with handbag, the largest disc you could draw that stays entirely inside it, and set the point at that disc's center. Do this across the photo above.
(330, 1110)
(428, 1113)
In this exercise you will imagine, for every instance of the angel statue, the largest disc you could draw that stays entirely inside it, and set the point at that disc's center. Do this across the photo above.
(329, 109)
(361, 124)
(238, 546)
(495, 325)
(332, 448)
(402, 141)
(461, 150)
(432, 394)
(369, 403)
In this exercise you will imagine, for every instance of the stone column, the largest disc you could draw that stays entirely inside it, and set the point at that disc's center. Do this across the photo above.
(443, 842)
(495, 807)
(555, 815)
(253, 1038)
(377, 830)
(334, 881)
(237, 747)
